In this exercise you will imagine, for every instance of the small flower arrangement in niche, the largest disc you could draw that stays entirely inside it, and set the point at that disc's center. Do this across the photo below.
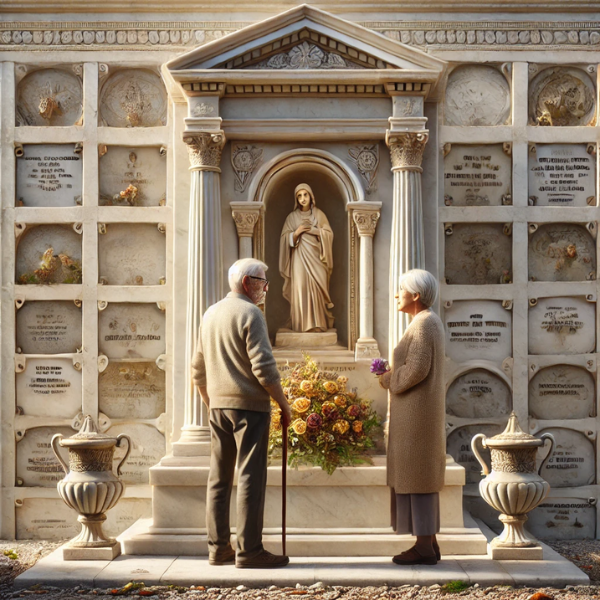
(54, 269)
(331, 427)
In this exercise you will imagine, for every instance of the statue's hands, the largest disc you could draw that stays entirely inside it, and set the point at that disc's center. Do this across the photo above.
(301, 229)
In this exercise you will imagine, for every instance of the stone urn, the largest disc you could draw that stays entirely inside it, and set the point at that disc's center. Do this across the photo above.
(91, 488)
(513, 487)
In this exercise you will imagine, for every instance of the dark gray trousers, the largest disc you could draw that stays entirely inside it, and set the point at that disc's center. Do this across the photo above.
(241, 435)
(416, 514)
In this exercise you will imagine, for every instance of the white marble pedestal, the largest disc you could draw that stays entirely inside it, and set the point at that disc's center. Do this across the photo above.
(344, 514)
(286, 338)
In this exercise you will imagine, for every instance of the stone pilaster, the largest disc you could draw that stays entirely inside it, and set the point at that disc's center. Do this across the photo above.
(365, 218)
(205, 273)
(245, 216)
(407, 248)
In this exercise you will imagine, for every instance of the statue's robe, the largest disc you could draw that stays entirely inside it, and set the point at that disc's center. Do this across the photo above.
(306, 268)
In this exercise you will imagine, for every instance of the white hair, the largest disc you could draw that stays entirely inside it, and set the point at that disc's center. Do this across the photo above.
(250, 267)
(419, 281)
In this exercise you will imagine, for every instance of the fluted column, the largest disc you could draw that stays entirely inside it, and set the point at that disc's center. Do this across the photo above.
(205, 273)
(365, 219)
(407, 249)
(245, 216)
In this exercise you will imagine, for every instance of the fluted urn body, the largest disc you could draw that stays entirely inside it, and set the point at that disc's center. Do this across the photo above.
(513, 486)
(90, 487)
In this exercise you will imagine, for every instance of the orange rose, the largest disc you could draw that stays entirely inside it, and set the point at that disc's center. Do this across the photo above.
(357, 426)
(299, 426)
(331, 387)
(301, 405)
(340, 401)
(341, 426)
(306, 386)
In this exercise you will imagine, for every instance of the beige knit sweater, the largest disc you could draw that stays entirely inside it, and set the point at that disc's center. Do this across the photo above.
(234, 358)
(416, 458)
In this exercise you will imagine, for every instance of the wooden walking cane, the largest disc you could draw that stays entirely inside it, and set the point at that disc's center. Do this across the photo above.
(284, 445)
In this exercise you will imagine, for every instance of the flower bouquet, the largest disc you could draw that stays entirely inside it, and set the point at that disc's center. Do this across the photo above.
(379, 366)
(330, 426)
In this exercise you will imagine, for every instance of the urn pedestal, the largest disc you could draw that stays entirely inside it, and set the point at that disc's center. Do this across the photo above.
(91, 488)
(513, 487)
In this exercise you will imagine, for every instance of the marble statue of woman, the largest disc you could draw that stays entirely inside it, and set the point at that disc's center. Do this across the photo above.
(306, 262)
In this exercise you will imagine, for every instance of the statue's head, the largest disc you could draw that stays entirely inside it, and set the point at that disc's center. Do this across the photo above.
(298, 195)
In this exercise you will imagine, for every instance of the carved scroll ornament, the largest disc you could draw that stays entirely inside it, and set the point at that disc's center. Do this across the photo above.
(366, 221)
(244, 222)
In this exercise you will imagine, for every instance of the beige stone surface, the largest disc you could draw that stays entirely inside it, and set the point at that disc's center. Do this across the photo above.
(109, 553)
(286, 338)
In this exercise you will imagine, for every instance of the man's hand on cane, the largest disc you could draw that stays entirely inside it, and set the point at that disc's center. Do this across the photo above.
(276, 392)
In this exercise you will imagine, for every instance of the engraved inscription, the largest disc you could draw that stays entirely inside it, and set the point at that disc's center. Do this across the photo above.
(562, 519)
(478, 394)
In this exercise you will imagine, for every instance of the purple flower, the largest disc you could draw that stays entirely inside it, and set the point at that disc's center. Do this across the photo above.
(379, 366)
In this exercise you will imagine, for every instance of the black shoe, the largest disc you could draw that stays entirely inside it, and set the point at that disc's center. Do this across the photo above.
(412, 557)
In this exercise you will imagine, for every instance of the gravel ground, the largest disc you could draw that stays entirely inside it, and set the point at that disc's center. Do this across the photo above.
(16, 557)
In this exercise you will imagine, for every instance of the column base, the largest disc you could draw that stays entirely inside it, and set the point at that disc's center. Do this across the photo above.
(366, 349)
(194, 441)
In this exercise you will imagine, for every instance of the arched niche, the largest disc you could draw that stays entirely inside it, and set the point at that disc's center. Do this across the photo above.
(335, 187)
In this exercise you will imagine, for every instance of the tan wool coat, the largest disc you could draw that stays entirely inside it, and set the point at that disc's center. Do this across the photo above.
(416, 455)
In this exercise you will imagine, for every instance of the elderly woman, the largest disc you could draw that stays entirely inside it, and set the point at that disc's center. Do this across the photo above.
(416, 456)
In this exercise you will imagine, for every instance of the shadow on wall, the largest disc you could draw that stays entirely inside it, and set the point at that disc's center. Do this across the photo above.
(279, 202)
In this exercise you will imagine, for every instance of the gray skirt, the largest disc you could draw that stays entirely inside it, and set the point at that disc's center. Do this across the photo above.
(416, 514)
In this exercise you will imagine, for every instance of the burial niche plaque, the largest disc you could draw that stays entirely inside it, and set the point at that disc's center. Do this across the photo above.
(132, 331)
(562, 392)
(477, 175)
(459, 447)
(562, 326)
(563, 519)
(46, 519)
(478, 330)
(49, 97)
(561, 175)
(573, 459)
(49, 387)
(133, 177)
(132, 390)
(37, 465)
(148, 447)
(132, 254)
(49, 254)
(49, 175)
(478, 394)
(561, 252)
(478, 253)
(49, 327)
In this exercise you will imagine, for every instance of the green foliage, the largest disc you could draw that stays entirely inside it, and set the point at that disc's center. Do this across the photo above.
(12, 554)
(454, 587)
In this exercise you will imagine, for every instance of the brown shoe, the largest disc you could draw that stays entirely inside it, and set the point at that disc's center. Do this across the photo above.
(264, 560)
(222, 556)
(412, 557)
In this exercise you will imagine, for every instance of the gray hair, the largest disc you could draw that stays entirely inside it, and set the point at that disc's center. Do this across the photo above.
(241, 268)
(418, 281)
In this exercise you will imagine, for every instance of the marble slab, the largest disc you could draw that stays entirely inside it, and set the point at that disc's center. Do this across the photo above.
(573, 461)
(561, 175)
(49, 327)
(477, 95)
(478, 330)
(562, 392)
(133, 98)
(459, 447)
(132, 254)
(49, 387)
(148, 447)
(478, 254)
(144, 168)
(477, 175)
(563, 519)
(49, 97)
(132, 331)
(49, 175)
(49, 254)
(478, 394)
(131, 390)
(562, 326)
(36, 463)
(562, 252)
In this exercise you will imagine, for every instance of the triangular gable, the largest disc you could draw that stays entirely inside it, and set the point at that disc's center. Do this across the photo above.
(357, 46)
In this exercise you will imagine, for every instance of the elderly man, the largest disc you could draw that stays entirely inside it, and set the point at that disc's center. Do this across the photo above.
(236, 375)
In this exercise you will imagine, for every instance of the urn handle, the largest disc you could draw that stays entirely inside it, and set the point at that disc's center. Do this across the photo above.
(120, 438)
(54, 443)
(485, 470)
(546, 436)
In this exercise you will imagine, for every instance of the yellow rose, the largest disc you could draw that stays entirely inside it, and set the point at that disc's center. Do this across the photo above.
(341, 426)
(331, 386)
(276, 421)
(306, 386)
(357, 426)
(342, 380)
(301, 405)
(299, 426)
(340, 401)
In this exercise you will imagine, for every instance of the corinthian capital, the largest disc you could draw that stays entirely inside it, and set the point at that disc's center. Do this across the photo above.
(406, 148)
(205, 149)
(366, 221)
(245, 221)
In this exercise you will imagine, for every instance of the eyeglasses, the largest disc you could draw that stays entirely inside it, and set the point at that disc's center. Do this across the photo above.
(260, 279)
